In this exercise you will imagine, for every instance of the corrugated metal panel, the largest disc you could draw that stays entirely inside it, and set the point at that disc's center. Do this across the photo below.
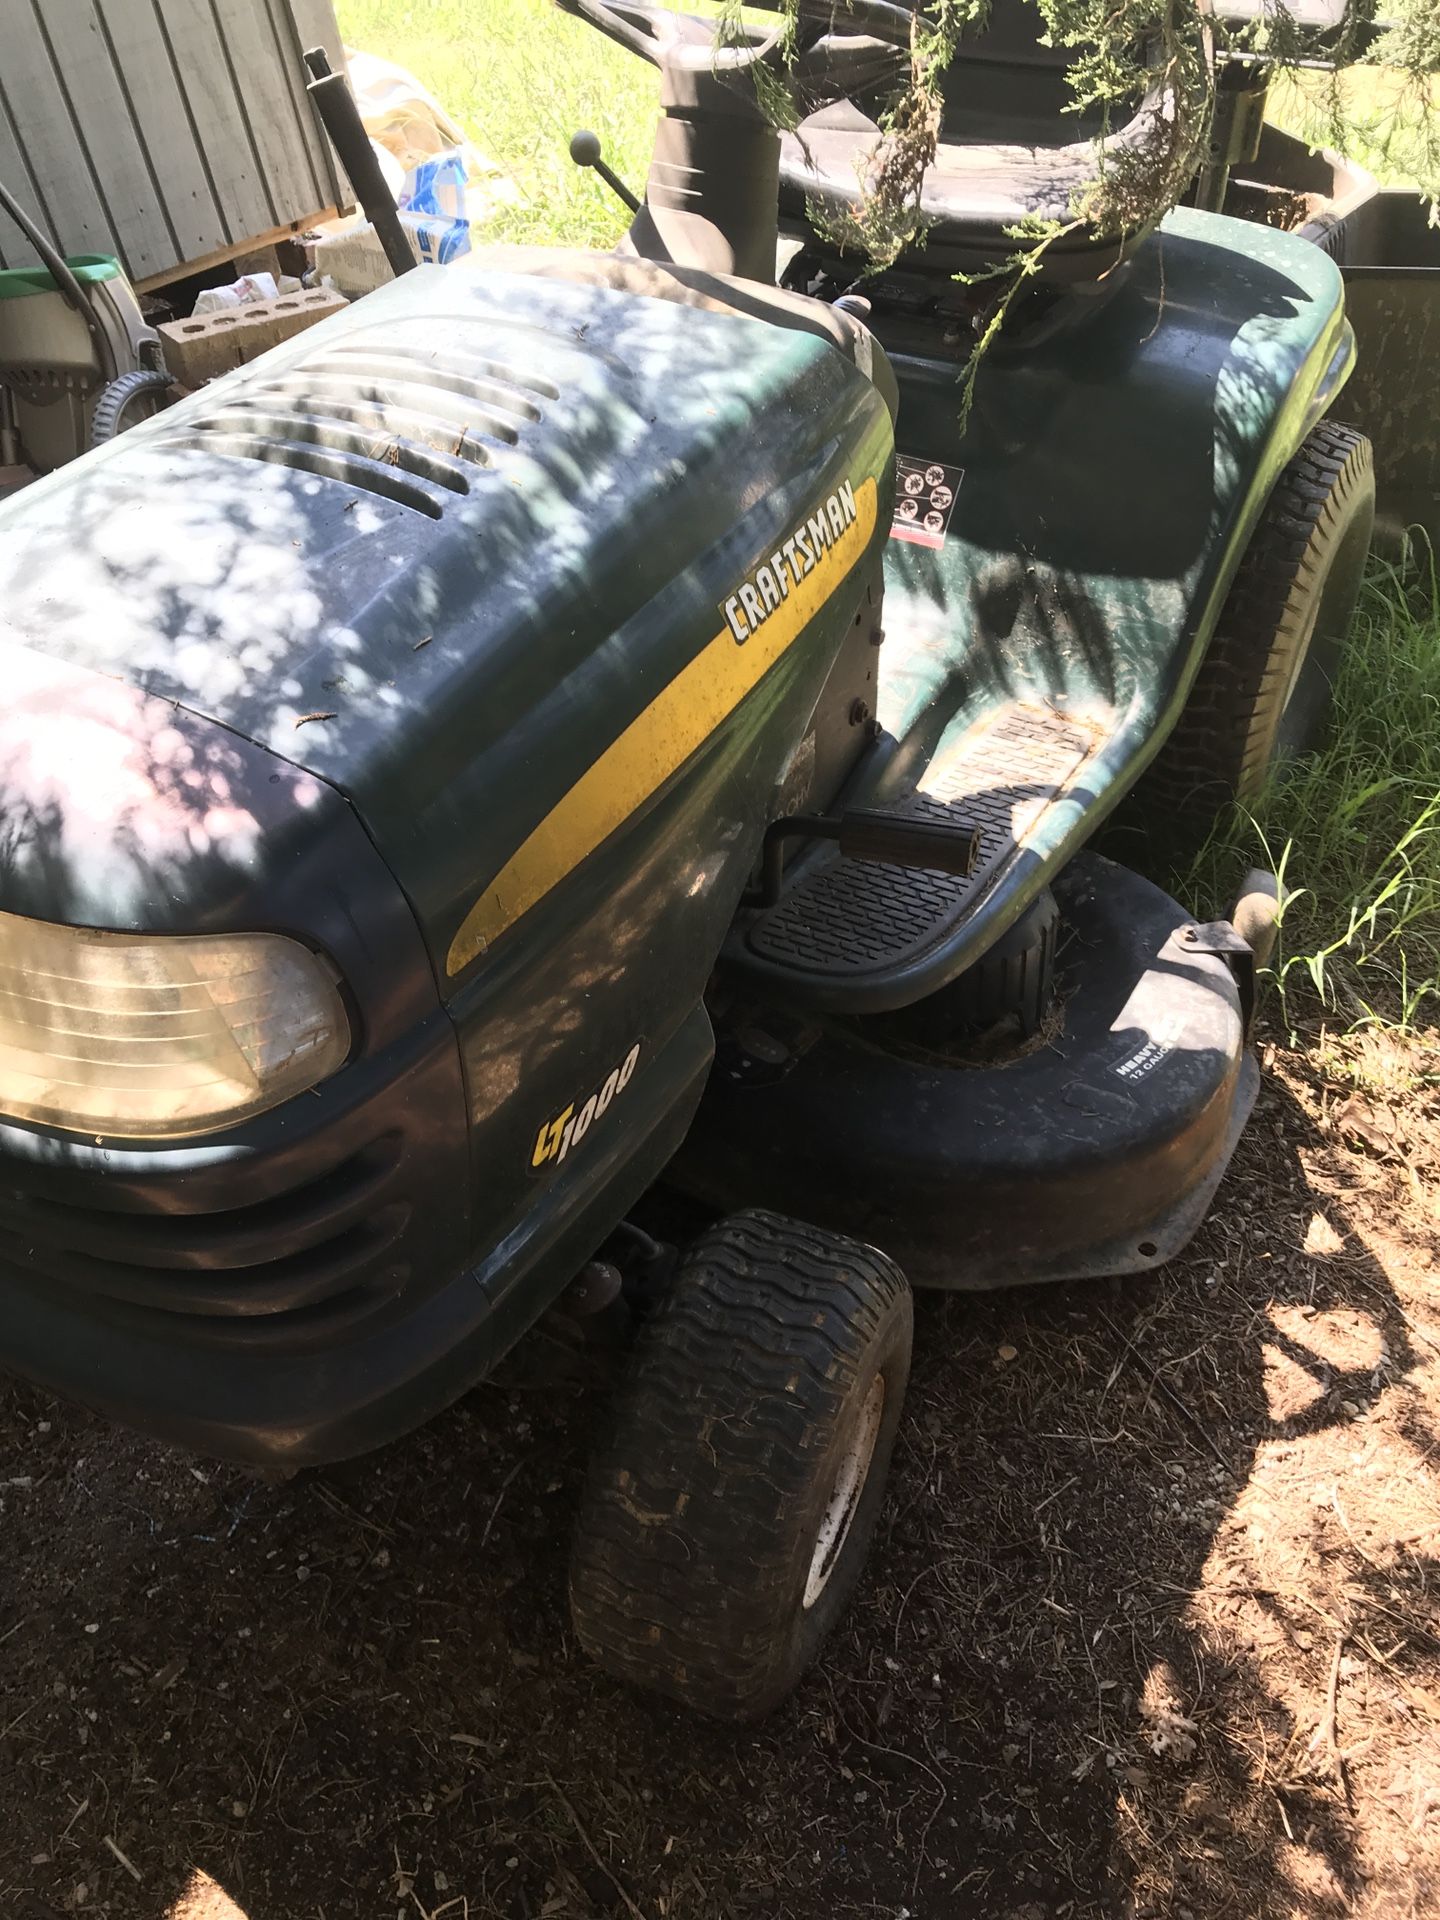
(164, 131)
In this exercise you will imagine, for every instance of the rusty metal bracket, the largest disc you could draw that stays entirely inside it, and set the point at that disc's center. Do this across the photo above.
(1218, 936)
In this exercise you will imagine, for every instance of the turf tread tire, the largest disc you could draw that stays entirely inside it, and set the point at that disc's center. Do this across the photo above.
(696, 1529)
(1317, 519)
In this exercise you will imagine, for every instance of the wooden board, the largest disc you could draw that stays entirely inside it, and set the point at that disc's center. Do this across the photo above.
(167, 132)
(255, 244)
(149, 84)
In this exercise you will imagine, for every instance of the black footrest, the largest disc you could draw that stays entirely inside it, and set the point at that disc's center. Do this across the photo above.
(848, 920)
(851, 916)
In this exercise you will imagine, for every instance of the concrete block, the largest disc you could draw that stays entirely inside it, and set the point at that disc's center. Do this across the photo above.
(200, 350)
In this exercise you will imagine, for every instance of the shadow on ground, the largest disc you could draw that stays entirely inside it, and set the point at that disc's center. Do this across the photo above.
(1147, 1634)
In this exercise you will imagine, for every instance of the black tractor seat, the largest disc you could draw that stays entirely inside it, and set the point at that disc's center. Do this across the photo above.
(1011, 150)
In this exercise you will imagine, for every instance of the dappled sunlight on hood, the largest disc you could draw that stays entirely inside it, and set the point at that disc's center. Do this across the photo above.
(116, 807)
(184, 573)
(276, 553)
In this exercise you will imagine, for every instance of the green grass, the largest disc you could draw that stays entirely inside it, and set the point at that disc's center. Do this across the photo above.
(1356, 830)
(521, 77)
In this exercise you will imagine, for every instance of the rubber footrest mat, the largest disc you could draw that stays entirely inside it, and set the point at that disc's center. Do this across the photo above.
(846, 917)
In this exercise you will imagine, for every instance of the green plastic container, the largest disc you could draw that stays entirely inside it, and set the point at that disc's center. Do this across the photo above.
(48, 363)
(18, 283)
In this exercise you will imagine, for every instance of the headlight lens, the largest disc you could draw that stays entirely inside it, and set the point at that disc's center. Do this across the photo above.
(159, 1037)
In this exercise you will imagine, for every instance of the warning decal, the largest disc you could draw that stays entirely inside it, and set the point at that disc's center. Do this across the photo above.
(925, 493)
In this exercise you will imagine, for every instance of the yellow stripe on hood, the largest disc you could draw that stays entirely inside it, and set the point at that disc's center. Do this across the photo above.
(660, 740)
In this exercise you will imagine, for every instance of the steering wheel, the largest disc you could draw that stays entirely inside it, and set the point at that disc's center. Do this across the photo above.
(666, 38)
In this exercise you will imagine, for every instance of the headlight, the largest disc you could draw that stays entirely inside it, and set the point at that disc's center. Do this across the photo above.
(159, 1037)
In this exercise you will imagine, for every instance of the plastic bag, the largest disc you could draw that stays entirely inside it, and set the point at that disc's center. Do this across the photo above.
(239, 293)
(432, 206)
(410, 125)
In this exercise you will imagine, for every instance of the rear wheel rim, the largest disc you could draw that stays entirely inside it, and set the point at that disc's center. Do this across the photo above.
(846, 1493)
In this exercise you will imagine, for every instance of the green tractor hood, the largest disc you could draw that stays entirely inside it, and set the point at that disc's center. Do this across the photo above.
(436, 554)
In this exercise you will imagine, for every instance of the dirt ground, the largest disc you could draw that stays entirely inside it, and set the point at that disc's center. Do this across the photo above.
(1152, 1627)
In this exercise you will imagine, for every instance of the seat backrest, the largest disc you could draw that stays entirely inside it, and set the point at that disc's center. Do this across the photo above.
(1004, 85)
(1012, 152)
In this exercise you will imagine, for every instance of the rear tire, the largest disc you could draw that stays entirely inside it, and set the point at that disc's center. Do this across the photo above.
(1263, 690)
(726, 1522)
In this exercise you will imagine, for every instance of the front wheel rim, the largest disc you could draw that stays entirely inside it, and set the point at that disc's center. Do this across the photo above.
(845, 1495)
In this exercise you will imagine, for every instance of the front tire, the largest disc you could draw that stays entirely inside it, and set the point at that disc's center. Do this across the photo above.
(1262, 694)
(726, 1522)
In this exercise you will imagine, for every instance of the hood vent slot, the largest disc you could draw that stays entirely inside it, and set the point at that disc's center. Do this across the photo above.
(458, 422)
(445, 421)
(440, 366)
(375, 437)
(412, 424)
(390, 480)
(380, 369)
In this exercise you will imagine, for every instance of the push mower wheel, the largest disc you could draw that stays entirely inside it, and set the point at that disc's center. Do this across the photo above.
(726, 1522)
(1263, 690)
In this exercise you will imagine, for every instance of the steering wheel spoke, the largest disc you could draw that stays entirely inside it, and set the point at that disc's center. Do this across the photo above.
(660, 35)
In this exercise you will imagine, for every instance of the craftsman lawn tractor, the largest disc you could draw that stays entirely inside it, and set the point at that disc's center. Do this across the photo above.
(580, 742)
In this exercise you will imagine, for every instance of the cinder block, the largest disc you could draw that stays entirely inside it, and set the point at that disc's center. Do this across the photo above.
(199, 350)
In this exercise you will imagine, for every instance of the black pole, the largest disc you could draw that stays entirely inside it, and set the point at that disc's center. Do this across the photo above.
(340, 117)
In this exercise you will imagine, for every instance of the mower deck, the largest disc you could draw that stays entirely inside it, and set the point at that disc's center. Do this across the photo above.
(1093, 1149)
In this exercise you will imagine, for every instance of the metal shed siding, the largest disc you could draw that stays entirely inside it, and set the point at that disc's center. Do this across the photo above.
(164, 131)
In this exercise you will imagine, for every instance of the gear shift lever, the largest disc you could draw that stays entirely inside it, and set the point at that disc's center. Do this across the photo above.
(585, 152)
